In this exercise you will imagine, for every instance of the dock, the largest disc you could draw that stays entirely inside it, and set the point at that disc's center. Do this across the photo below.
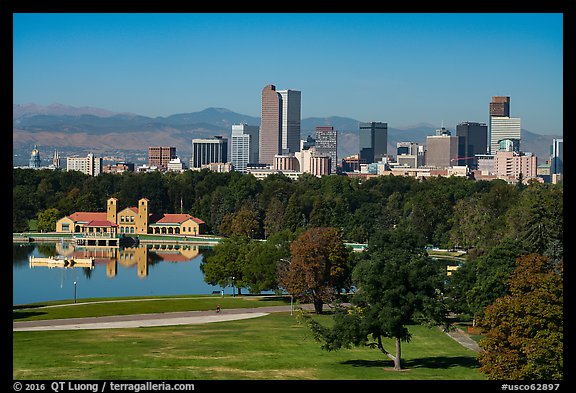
(61, 262)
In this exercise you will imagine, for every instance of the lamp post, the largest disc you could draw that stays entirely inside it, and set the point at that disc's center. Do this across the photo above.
(74, 291)
(233, 292)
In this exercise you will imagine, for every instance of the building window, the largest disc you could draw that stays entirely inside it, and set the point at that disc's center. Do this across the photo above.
(121, 218)
(65, 227)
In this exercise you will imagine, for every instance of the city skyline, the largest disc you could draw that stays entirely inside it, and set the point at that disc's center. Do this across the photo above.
(401, 69)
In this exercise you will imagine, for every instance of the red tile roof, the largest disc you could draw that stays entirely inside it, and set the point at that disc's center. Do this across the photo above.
(170, 257)
(101, 223)
(87, 216)
(153, 218)
(176, 218)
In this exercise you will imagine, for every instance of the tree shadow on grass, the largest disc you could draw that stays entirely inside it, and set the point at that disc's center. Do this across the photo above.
(27, 306)
(25, 314)
(438, 362)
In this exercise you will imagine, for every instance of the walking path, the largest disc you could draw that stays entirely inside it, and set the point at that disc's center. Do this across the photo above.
(464, 339)
(145, 320)
(180, 318)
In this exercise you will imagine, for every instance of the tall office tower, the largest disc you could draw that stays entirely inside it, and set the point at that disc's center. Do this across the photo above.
(441, 149)
(271, 125)
(327, 144)
(472, 140)
(500, 106)
(244, 148)
(291, 103)
(373, 141)
(503, 128)
(498, 127)
(160, 156)
(35, 160)
(557, 157)
(89, 165)
(280, 126)
(207, 151)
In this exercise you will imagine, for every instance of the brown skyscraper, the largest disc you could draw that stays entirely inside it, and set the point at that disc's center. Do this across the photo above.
(271, 127)
(160, 156)
(500, 106)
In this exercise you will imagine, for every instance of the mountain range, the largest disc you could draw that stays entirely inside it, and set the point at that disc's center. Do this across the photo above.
(102, 131)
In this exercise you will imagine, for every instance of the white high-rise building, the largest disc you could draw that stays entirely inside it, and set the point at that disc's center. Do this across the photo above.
(502, 127)
(244, 148)
(89, 165)
(291, 113)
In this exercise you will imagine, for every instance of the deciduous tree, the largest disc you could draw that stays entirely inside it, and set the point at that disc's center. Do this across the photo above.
(318, 266)
(524, 330)
(397, 285)
(47, 219)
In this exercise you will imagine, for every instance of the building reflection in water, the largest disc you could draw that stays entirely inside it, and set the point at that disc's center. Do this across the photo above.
(141, 255)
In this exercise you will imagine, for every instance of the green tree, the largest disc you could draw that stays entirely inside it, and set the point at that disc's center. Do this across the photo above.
(318, 266)
(261, 272)
(225, 263)
(47, 219)
(320, 214)
(397, 285)
(246, 222)
(273, 217)
(524, 330)
(537, 220)
(294, 216)
(484, 278)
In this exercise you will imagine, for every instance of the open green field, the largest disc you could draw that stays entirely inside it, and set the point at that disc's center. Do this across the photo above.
(128, 306)
(276, 346)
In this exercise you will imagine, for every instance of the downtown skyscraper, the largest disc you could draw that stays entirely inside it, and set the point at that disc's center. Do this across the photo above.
(501, 125)
(280, 124)
(373, 141)
(472, 140)
(244, 148)
(327, 143)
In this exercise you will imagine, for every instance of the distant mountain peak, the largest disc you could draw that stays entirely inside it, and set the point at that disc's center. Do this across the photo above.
(221, 110)
(57, 109)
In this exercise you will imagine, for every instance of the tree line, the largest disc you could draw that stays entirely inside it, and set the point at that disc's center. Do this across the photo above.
(394, 283)
(449, 212)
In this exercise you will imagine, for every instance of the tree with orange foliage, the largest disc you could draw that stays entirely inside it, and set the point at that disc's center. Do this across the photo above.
(318, 267)
(524, 330)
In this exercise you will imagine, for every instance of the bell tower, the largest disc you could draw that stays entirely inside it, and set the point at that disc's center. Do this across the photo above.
(142, 218)
(112, 210)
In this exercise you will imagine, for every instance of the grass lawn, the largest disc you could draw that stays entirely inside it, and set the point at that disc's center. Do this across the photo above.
(127, 306)
(273, 347)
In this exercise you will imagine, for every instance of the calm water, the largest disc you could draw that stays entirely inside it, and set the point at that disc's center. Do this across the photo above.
(135, 271)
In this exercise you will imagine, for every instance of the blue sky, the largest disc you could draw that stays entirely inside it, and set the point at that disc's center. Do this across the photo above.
(399, 68)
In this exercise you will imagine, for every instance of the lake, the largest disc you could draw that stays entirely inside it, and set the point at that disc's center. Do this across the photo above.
(145, 270)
